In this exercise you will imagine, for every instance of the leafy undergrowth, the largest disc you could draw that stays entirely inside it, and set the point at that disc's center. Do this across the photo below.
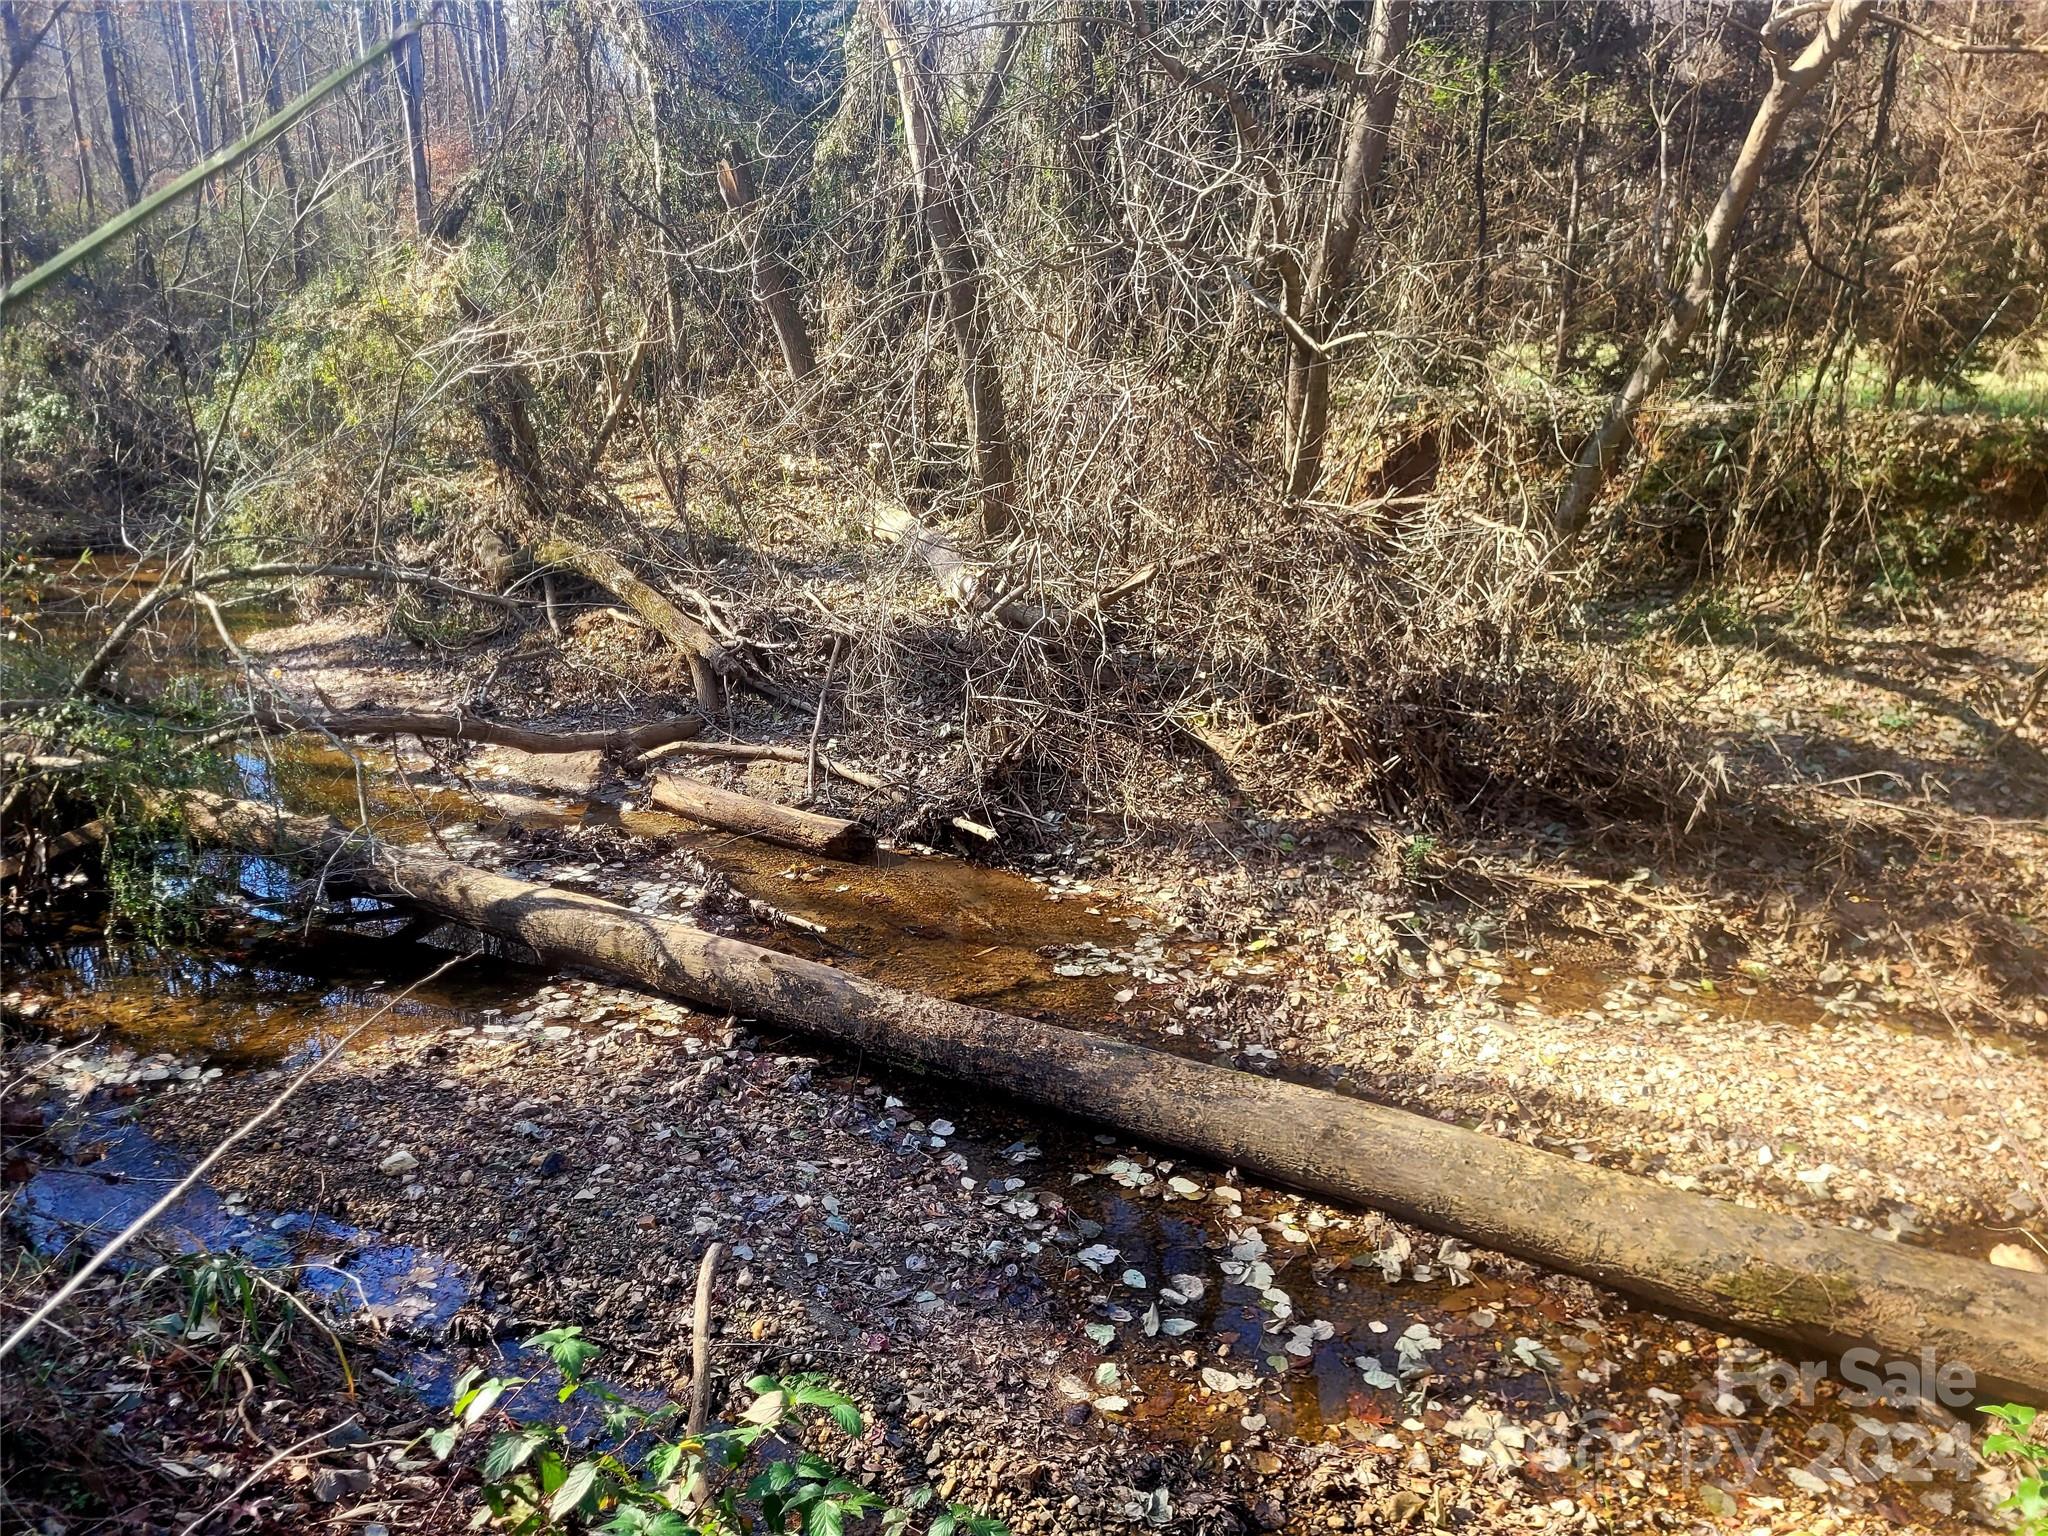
(650, 1474)
(159, 1396)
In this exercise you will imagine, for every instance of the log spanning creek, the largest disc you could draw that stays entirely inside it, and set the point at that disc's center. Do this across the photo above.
(1163, 1298)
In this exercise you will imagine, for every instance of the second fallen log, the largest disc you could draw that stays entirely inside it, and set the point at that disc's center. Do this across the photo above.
(830, 837)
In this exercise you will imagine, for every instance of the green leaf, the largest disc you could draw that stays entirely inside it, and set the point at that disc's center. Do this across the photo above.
(826, 1518)
(837, 1404)
(575, 1489)
(442, 1441)
(551, 1469)
(483, 1400)
(567, 1348)
(509, 1452)
(663, 1460)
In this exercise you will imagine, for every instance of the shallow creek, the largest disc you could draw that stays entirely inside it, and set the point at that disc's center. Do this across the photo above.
(1315, 1305)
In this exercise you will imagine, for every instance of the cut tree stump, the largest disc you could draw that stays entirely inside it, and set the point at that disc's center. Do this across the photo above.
(1762, 1272)
(830, 837)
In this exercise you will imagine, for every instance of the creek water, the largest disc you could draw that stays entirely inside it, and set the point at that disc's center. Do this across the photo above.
(268, 992)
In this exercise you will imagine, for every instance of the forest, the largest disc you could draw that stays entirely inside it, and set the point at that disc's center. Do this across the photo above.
(958, 767)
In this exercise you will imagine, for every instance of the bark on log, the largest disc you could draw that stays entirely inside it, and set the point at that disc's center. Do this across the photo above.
(1758, 1271)
(830, 837)
(626, 742)
(708, 659)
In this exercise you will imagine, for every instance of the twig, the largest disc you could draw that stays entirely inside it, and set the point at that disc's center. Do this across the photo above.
(700, 1340)
(818, 720)
(2027, 707)
(250, 1481)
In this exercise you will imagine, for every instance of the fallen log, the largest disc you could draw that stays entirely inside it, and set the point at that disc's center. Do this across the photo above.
(751, 752)
(624, 742)
(1761, 1272)
(43, 852)
(708, 659)
(707, 656)
(830, 837)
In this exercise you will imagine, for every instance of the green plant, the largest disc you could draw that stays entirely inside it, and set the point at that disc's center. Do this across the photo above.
(232, 1313)
(1416, 854)
(2018, 1443)
(656, 1478)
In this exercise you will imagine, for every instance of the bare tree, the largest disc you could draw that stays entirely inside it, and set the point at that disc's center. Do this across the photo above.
(268, 66)
(1568, 258)
(1328, 287)
(18, 50)
(408, 68)
(774, 282)
(1792, 81)
(195, 87)
(959, 271)
(81, 146)
(117, 103)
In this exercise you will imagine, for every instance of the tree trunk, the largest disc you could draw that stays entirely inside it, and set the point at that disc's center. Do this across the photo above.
(465, 72)
(662, 90)
(238, 61)
(24, 100)
(117, 105)
(1484, 132)
(81, 146)
(1791, 84)
(501, 39)
(1329, 280)
(959, 274)
(195, 87)
(1568, 265)
(830, 837)
(408, 68)
(1757, 1271)
(475, 28)
(624, 743)
(774, 283)
(268, 63)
